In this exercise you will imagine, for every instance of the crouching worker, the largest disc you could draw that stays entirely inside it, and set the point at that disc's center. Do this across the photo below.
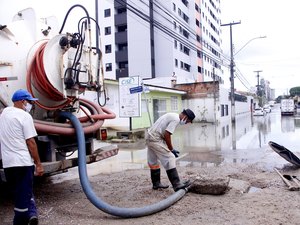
(161, 151)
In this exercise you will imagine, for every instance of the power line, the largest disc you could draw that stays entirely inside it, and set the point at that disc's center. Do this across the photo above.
(166, 30)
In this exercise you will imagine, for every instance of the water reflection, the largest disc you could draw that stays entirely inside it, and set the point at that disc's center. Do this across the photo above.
(287, 124)
(212, 144)
(208, 144)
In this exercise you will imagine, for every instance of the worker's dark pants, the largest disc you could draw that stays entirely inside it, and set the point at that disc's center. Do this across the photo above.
(21, 180)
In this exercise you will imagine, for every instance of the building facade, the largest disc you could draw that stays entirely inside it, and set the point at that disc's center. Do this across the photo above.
(161, 38)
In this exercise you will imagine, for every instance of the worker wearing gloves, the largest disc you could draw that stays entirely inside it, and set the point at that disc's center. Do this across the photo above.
(160, 148)
(19, 154)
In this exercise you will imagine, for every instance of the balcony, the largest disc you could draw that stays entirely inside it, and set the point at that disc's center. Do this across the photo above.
(121, 37)
(121, 73)
(122, 56)
(120, 4)
(121, 19)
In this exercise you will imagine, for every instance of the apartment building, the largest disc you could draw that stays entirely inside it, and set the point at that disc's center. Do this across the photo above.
(161, 38)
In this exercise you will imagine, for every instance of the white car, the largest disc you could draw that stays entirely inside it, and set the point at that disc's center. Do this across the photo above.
(267, 108)
(259, 112)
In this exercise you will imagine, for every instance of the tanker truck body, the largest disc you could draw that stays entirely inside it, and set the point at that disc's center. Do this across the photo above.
(57, 67)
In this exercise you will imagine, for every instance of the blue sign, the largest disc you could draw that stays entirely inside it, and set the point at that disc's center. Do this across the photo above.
(136, 89)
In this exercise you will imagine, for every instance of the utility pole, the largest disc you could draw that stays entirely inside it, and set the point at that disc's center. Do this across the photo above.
(231, 71)
(258, 86)
(232, 85)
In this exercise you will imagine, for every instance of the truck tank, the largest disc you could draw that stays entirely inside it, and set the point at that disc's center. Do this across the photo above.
(57, 66)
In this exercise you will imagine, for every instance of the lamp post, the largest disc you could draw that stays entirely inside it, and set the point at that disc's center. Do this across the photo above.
(248, 43)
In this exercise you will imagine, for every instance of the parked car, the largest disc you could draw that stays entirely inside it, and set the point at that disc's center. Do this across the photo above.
(267, 108)
(259, 112)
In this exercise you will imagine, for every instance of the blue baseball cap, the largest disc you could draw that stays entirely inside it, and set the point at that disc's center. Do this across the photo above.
(22, 95)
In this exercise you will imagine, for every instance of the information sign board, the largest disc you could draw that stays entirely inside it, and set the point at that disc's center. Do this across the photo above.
(130, 104)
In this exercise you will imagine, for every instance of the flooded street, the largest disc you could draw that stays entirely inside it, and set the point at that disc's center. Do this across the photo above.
(207, 145)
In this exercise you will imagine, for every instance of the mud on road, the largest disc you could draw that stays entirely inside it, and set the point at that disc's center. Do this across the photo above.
(268, 201)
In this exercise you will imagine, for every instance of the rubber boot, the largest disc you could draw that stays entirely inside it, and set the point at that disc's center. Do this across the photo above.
(175, 181)
(155, 178)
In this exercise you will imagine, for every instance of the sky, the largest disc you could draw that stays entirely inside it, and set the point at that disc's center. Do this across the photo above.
(277, 55)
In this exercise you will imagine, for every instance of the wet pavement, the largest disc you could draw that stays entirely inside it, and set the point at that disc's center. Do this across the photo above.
(207, 145)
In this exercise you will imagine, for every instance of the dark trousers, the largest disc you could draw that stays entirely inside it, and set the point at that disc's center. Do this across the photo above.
(21, 181)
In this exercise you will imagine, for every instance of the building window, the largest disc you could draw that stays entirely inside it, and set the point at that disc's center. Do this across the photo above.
(107, 30)
(108, 67)
(181, 64)
(106, 12)
(176, 62)
(186, 50)
(223, 132)
(174, 7)
(222, 110)
(187, 67)
(175, 25)
(175, 43)
(185, 33)
(185, 2)
(199, 69)
(174, 103)
(185, 18)
(196, 7)
(199, 54)
(227, 130)
(107, 48)
(160, 108)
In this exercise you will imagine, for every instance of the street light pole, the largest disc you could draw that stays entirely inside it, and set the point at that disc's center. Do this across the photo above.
(248, 43)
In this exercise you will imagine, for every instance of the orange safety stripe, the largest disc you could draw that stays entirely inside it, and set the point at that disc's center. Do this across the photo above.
(154, 167)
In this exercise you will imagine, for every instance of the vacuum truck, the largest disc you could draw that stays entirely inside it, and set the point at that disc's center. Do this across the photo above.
(57, 66)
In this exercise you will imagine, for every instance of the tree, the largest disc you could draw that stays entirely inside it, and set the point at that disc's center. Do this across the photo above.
(295, 91)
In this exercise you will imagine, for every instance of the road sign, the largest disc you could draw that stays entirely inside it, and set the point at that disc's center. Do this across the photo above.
(137, 89)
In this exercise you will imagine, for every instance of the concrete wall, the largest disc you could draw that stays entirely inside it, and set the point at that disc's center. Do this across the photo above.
(207, 98)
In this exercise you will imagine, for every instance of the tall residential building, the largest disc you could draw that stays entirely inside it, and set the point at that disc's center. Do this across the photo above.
(161, 38)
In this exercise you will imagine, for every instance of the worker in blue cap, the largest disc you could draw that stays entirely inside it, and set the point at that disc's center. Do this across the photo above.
(20, 156)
